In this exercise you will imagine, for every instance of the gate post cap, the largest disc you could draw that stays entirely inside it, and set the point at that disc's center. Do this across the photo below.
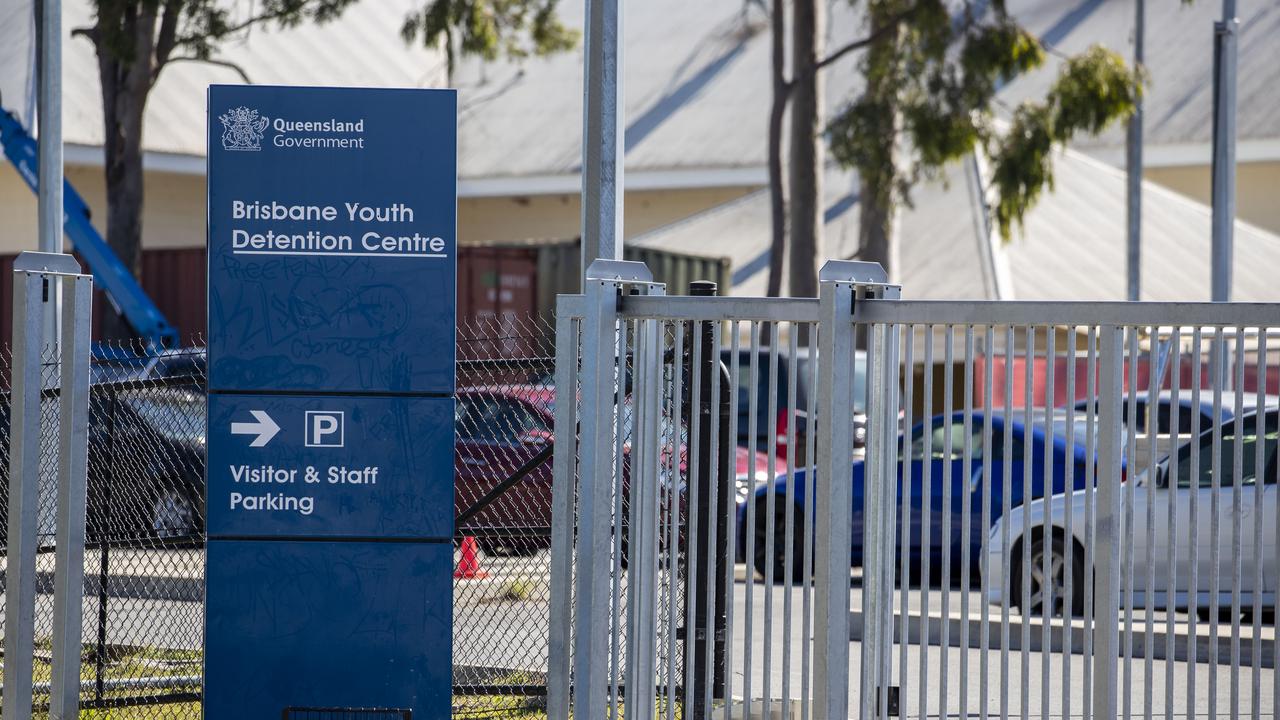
(854, 271)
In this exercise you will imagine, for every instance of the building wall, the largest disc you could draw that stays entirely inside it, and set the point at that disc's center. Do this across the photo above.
(1256, 185)
(506, 219)
(173, 213)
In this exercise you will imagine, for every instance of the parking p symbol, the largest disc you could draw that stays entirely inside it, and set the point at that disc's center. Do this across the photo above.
(325, 428)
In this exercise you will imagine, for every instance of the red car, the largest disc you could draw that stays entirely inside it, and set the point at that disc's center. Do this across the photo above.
(499, 429)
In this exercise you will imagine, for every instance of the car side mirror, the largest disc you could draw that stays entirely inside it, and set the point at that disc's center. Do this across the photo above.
(1162, 477)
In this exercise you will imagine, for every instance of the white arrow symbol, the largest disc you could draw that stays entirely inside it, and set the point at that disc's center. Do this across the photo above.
(265, 428)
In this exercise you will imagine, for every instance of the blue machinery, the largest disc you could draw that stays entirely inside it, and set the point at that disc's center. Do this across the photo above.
(109, 273)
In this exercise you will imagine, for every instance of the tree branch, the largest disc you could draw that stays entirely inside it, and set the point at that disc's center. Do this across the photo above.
(876, 35)
(211, 61)
(89, 33)
(167, 38)
(277, 14)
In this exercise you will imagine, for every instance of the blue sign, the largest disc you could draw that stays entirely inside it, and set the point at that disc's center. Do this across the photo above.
(332, 239)
(330, 466)
(327, 625)
(332, 306)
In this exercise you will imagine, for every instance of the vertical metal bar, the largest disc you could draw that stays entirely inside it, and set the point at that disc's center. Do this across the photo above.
(616, 518)
(697, 477)
(645, 457)
(807, 571)
(1006, 506)
(1171, 494)
(888, 482)
(1237, 520)
(731, 516)
(834, 506)
(1028, 385)
(1128, 534)
(563, 492)
(1046, 491)
(603, 143)
(591, 632)
(789, 529)
(966, 523)
(1149, 494)
(672, 489)
(712, 671)
(984, 621)
(1193, 559)
(948, 408)
(29, 302)
(1069, 541)
(1259, 550)
(1215, 558)
(906, 505)
(1108, 541)
(770, 503)
(873, 596)
(73, 460)
(749, 532)
(1090, 525)
(926, 515)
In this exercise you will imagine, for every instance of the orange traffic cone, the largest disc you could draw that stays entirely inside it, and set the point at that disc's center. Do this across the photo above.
(469, 563)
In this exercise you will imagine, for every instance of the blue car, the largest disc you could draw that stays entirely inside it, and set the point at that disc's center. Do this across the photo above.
(961, 485)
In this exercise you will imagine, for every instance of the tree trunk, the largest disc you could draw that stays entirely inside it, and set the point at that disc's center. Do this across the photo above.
(777, 113)
(124, 96)
(806, 148)
(878, 175)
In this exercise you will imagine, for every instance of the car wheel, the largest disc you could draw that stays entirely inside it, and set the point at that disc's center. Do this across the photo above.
(778, 562)
(1054, 585)
(174, 513)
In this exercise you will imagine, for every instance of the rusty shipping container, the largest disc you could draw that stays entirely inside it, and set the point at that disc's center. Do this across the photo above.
(502, 288)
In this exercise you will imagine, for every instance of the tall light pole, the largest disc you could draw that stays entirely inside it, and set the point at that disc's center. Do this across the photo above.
(1133, 166)
(602, 134)
(1225, 36)
(49, 158)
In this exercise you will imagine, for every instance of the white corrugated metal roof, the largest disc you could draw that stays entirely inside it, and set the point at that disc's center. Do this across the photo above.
(363, 48)
(1073, 247)
(1178, 104)
(696, 81)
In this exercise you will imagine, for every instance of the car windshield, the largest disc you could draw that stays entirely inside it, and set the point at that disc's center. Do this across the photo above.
(173, 413)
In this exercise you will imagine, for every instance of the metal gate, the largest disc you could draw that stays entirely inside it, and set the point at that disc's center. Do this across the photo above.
(1039, 509)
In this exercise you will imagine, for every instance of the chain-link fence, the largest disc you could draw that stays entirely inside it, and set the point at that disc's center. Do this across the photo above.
(144, 564)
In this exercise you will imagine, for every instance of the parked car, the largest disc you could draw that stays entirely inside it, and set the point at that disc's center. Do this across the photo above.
(146, 448)
(499, 429)
(1165, 408)
(1193, 483)
(780, 373)
(911, 454)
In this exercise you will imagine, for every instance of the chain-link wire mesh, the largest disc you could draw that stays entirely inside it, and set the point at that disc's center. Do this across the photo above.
(144, 561)
(145, 524)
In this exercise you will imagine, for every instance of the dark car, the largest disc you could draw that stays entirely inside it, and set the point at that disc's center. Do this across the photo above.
(779, 375)
(146, 448)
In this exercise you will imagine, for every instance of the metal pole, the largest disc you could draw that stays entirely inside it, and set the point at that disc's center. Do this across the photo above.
(602, 134)
(49, 120)
(73, 461)
(1133, 164)
(1225, 35)
(1106, 629)
(708, 633)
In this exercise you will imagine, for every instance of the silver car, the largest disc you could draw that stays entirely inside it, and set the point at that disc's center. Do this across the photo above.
(1176, 540)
